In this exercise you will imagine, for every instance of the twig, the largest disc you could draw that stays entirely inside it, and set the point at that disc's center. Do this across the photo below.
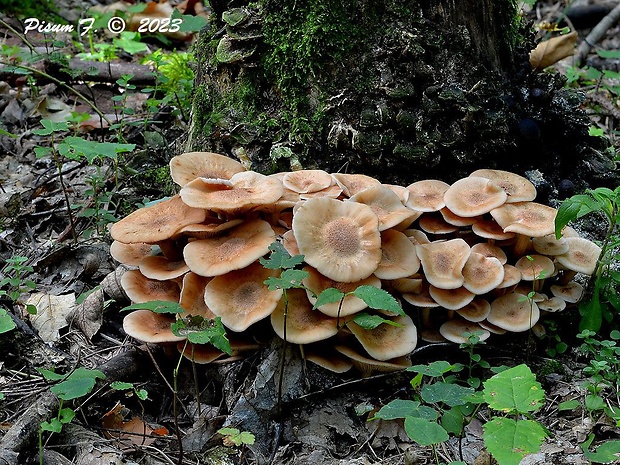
(595, 35)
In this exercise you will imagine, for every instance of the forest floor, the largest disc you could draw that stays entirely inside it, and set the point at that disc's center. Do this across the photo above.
(64, 269)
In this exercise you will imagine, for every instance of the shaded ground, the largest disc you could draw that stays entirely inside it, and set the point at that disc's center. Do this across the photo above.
(323, 416)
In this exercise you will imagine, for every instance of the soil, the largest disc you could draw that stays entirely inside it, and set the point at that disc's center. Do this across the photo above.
(298, 412)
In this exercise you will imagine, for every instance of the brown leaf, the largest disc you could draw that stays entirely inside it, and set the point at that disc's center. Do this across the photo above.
(88, 316)
(132, 432)
(553, 50)
(52, 313)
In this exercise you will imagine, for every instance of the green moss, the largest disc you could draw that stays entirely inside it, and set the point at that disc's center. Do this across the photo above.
(159, 180)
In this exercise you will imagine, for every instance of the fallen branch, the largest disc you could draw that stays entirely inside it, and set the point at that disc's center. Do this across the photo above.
(595, 35)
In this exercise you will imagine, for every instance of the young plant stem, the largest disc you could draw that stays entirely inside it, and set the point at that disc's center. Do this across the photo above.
(58, 163)
(175, 400)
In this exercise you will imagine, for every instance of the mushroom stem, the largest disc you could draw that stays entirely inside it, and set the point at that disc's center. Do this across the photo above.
(567, 277)
(521, 246)
(170, 250)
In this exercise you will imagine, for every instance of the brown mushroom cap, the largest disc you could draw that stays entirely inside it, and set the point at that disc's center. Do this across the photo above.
(386, 341)
(512, 276)
(148, 326)
(582, 255)
(571, 292)
(475, 311)
(351, 184)
(552, 305)
(398, 256)
(489, 229)
(549, 245)
(368, 365)
(490, 250)
(443, 262)
(436, 225)
(303, 324)
(514, 312)
(290, 243)
(474, 196)
(325, 356)
(452, 299)
(427, 195)
(192, 297)
(141, 289)
(534, 267)
(130, 254)
(317, 283)
(191, 165)
(156, 222)
(199, 353)
(236, 249)
(211, 227)
(450, 217)
(160, 268)
(455, 330)
(307, 181)
(340, 239)
(386, 205)
(241, 298)
(482, 274)
(517, 188)
(528, 218)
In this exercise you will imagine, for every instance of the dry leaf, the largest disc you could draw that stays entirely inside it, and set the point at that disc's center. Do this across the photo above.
(134, 432)
(52, 312)
(553, 50)
(88, 316)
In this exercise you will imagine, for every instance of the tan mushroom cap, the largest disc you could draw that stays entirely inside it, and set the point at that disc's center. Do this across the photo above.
(491, 327)
(422, 299)
(241, 298)
(367, 365)
(474, 196)
(156, 222)
(528, 218)
(450, 217)
(340, 239)
(236, 249)
(490, 250)
(452, 299)
(160, 268)
(475, 311)
(457, 330)
(333, 192)
(482, 274)
(150, 327)
(489, 229)
(427, 195)
(401, 191)
(208, 229)
(317, 283)
(443, 262)
(549, 245)
(192, 297)
(351, 184)
(191, 165)
(386, 341)
(436, 225)
(571, 292)
(512, 276)
(307, 181)
(386, 205)
(199, 353)
(290, 243)
(303, 325)
(514, 312)
(130, 254)
(517, 188)
(398, 256)
(324, 355)
(416, 236)
(141, 289)
(404, 285)
(582, 255)
(244, 191)
(534, 267)
(552, 304)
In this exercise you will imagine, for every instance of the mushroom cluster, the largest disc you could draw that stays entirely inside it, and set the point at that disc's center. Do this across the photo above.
(475, 256)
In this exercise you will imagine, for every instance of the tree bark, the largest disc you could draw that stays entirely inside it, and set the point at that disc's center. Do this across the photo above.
(396, 89)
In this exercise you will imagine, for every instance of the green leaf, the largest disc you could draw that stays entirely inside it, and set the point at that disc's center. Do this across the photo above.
(6, 322)
(157, 306)
(203, 331)
(50, 375)
(367, 321)
(50, 127)
(53, 426)
(425, 432)
(280, 258)
(79, 383)
(595, 402)
(401, 408)
(614, 54)
(121, 386)
(76, 147)
(514, 390)
(452, 420)
(66, 415)
(190, 23)
(449, 394)
(142, 394)
(130, 42)
(378, 299)
(289, 279)
(510, 440)
(328, 296)
(591, 312)
(237, 437)
(608, 452)
(568, 405)
(436, 369)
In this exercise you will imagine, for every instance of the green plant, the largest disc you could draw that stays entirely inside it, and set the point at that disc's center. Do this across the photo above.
(15, 271)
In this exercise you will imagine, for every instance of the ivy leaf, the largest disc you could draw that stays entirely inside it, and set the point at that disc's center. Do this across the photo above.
(378, 299)
(157, 306)
(53, 426)
(510, 440)
(425, 432)
(328, 296)
(514, 390)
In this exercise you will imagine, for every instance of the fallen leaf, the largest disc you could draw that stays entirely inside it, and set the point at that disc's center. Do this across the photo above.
(553, 50)
(134, 432)
(88, 316)
(52, 312)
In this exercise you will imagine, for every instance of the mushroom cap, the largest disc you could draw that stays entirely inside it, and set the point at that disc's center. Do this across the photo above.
(582, 255)
(403, 285)
(482, 274)
(490, 250)
(489, 229)
(436, 225)
(192, 297)
(160, 268)
(340, 239)
(416, 236)
(528, 218)
(571, 292)
(534, 267)
(512, 276)
(244, 191)
(317, 283)
(141, 289)
(386, 205)
(330, 360)
(235, 249)
(475, 311)
(368, 365)
(517, 188)
(150, 327)
(443, 262)
(514, 312)
(552, 305)
(398, 256)
(491, 327)
(452, 299)
(332, 192)
(188, 166)
(241, 298)
(455, 330)
(386, 341)
(303, 324)
(351, 184)
(549, 245)
(450, 217)
(208, 229)
(307, 181)
(427, 195)
(474, 196)
(130, 254)
(289, 242)
(199, 353)
(156, 222)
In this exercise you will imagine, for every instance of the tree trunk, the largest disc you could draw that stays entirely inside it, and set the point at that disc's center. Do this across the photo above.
(401, 90)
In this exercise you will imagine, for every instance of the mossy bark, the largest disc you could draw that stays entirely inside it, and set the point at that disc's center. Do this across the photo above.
(400, 90)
